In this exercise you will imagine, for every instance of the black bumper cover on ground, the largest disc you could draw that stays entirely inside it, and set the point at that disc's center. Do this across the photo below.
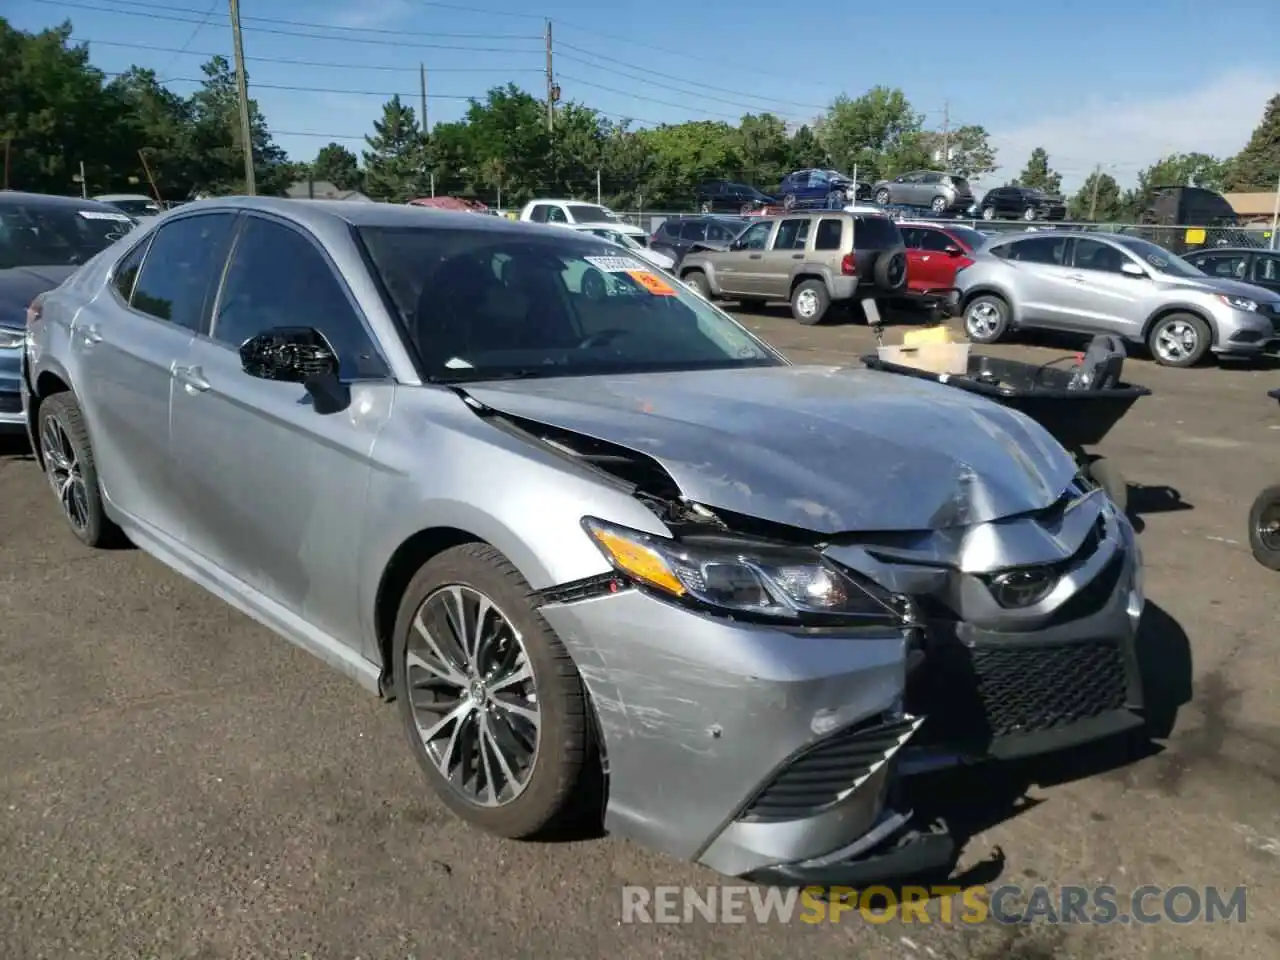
(915, 852)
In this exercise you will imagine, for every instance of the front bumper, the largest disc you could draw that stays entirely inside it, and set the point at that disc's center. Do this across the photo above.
(775, 755)
(1244, 333)
(11, 415)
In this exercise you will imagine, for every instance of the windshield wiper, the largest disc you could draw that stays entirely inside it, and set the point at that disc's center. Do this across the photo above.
(470, 376)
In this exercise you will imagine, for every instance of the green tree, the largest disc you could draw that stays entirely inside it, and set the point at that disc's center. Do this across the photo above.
(684, 155)
(216, 139)
(339, 166)
(878, 134)
(395, 163)
(764, 149)
(1174, 170)
(577, 145)
(1106, 205)
(805, 151)
(157, 123)
(968, 151)
(1257, 166)
(1038, 175)
(510, 143)
(627, 164)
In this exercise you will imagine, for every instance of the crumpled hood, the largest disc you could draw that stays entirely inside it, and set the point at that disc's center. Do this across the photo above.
(20, 285)
(827, 449)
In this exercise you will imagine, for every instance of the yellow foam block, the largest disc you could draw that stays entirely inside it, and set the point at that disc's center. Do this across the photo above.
(917, 338)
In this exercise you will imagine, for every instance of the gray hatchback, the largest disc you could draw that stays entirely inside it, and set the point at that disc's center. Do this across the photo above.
(598, 541)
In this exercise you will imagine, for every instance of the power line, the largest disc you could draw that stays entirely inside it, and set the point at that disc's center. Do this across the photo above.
(636, 96)
(314, 36)
(328, 65)
(387, 95)
(204, 22)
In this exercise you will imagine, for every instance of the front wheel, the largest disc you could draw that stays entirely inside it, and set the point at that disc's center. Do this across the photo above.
(494, 709)
(704, 207)
(1029, 214)
(809, 302)
(883, 197)
(72, 472)
(1179, 340)
(1264, 528)
(939, 205)
(988, 213)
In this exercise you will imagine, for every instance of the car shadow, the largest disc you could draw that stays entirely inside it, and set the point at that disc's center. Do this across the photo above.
(15, 447)
(1147, 499)
(850, 315)
(974, 799)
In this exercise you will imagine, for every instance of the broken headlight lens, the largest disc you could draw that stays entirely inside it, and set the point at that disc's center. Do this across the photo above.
(1022, 588)
(740, 576)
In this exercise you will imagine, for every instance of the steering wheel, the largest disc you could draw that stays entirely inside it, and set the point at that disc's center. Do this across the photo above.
(602, 338)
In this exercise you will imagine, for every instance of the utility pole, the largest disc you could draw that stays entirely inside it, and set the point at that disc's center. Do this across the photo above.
(422, 76)
(8, 145)
(551, 85)
(84, 184)
(146, 168)
(598, 194)
(242, 88)
(946, 134)
(1275, 216)
(1093, 199)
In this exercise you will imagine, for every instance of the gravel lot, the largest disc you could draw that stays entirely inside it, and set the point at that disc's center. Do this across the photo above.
(175, 782)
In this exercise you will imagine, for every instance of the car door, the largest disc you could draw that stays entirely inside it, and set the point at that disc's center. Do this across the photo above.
(1042, 278)
(125, 346)
(935, 266)
(912, 237)
(273, 489)
(691, 232)
(1266, 271)
(784, 254)
(1228, 266)
(1101, 297)
(738, 271)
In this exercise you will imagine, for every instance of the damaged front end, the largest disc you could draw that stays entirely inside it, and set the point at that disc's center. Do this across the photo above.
(761, 689)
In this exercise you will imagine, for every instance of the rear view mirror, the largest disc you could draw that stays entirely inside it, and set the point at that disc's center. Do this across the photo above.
(1130, 269)
(297, 355)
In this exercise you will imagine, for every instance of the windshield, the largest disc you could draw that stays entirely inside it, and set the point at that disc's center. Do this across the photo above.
(487, 304)
(141, 207)
(613, 236)
(1158, 257)
(47, 234)
(969, 237)
(582, 213)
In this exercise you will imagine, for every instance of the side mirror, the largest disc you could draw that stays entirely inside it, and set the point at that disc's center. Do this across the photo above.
(297, 355)
(953, 250)
(1130, 269)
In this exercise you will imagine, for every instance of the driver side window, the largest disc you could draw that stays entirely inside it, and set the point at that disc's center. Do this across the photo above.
(757, 236)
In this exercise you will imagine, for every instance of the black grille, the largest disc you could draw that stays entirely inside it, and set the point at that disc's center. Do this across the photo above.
(816, 778)
(974, 695)
(10, 403)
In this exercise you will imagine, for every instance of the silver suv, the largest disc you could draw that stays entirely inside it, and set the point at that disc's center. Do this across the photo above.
(1094, 283)
(812, 258)
(925, 188)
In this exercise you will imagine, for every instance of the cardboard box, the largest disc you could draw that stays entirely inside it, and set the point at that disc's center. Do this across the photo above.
(952, 358)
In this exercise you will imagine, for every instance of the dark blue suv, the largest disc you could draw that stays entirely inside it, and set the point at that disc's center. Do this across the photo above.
(819, 188)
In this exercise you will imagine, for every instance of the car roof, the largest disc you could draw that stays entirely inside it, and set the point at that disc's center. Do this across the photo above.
(317, 214)
(21, 198)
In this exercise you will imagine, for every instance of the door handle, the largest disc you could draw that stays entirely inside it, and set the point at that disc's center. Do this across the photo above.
(755, 256)
(1076, 278)
(924, 258)
(797, 256)
(91, 335)
(192, 378)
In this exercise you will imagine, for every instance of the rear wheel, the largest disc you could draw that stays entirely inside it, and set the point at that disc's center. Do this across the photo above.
(1029, 213)
(939, 205)
(809, 302)
(883, 197)
(789, 201)
(705, 206)
(72, 472)
(1179, 340)
(986, 319)
(988, 213)
(1264, 528)
(494, 709)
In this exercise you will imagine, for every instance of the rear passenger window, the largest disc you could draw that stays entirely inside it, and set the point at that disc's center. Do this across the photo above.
(126, 273)
(828, 236)
(1047, 250)
(792, 234)
(539, 213)
(279, 278)
(935, 241)
(182, 268)
(911, 237)
(694, 230)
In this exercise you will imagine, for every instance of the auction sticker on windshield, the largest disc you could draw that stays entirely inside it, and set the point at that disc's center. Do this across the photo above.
(651, 282)
(615, 264)
(103, 215)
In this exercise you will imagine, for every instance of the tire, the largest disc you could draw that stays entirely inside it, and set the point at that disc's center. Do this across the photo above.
(986, 318)
(1106, 475)
(1263, 540)
(1179, 340)
(67, 455)
(988, 213)
(704, 207)
(698, 281)
(889, 273)
(789, 202)
(938, 205)
(563, 739)
(883, 197)
(1029, 214)
(810, 302)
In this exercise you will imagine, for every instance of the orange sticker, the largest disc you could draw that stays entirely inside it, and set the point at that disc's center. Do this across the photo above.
(651, 282)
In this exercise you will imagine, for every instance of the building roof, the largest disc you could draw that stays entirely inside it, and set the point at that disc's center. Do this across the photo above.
(1252, 204)
(322, 190)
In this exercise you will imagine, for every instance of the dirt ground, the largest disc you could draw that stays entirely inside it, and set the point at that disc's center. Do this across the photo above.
(175, 782)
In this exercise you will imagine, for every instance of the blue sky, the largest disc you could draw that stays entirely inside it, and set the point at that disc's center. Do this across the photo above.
(1116, 83)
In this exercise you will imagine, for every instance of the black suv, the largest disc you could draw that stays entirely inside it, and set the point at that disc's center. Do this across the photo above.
(1022, 203)
(725, 196)
(675, 235)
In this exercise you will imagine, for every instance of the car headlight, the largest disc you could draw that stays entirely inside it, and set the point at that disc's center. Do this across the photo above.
(11, 339)
(742, 577)
(1024, 587)
(1239, 303)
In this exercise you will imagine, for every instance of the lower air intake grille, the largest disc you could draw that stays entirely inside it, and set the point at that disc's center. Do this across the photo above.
(816, 778)
(978, 694)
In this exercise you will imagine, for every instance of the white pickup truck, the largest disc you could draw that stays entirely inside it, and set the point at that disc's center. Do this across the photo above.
(580, 213)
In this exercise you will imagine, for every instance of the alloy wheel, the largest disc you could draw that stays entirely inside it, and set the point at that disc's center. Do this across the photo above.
(1267, 529)
(1176, 341)
(982, 320)
(939, 204)
(473, 696)
(62, 467)
(807, 303)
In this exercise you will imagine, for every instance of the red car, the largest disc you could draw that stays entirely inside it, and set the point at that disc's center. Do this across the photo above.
(936, 252)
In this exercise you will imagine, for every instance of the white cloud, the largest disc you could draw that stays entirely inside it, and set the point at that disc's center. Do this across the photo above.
(1128, 135)
(366, 14)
